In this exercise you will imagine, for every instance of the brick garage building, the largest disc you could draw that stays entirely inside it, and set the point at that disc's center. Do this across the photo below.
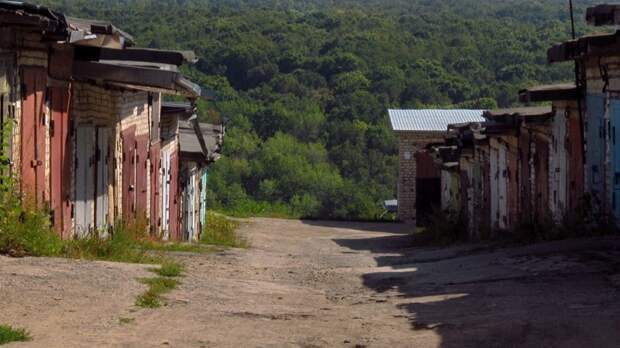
(419, 183)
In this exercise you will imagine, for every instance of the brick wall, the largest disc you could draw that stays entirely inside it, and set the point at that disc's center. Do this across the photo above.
(409, 144)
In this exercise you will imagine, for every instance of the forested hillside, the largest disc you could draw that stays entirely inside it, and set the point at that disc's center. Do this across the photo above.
(305, 85)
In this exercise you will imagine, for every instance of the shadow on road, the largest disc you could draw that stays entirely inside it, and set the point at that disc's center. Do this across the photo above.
(386, 227)
(554, 296)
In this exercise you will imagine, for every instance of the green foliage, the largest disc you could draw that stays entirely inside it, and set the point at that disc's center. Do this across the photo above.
(126, 243)
(169, 269)
(24, 230)
(9, 334)
(222, 231)
(159, 286)
(305, 85)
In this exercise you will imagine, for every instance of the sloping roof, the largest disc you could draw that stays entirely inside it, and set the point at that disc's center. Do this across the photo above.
(212, 134)
(92, 26)
(431, 120)
(562, 91)
(51, 23)
(591, 45)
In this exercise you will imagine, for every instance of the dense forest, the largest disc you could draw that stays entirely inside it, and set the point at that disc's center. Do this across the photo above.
(304, 85)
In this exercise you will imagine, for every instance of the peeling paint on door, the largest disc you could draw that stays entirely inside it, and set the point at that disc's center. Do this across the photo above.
(614, 113)
(84, 180)
(595, 148)
(102, 156)
(60, 161)
(559, 167)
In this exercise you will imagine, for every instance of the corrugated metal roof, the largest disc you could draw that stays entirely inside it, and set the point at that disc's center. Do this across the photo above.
(431, 120)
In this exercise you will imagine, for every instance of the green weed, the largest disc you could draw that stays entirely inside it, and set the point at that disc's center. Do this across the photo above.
(157, 287)
(169, 269)
(126, 321)
(221, 231)
(9, 334)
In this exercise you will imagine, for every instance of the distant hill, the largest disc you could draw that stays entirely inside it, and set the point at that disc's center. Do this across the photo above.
(306, 84)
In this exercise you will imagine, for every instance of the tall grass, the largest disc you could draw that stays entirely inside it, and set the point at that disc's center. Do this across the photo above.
(222, 231)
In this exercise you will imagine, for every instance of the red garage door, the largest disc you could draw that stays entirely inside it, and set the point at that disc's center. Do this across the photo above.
(33, 129)
(60, 161)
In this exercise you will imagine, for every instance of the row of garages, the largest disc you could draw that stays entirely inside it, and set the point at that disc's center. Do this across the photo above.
(499, 170)
(90, 137)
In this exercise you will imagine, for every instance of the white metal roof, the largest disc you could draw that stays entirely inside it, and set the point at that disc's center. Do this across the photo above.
(431, 120)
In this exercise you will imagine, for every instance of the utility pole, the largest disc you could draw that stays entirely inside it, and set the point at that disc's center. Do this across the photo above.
(572, 18)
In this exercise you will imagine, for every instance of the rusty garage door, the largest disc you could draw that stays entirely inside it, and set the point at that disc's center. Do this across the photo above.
(60, 161)
(142, 175)
(33, 132)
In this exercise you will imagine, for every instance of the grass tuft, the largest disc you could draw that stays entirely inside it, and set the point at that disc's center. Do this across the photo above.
(9, 334)
(126, 321)
(152, 298)
(169, 269)
(222, 231)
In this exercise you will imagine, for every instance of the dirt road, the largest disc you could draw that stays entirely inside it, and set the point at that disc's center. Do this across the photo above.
(313, 284)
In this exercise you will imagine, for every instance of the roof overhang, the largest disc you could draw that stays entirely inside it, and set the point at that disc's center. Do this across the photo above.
(524, 112)
(201, 142)
(605, 14)
(592, 45)
(177, 58)
(140, 78)
(564, 91)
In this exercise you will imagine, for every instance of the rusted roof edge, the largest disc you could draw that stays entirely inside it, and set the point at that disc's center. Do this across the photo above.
(565, 91)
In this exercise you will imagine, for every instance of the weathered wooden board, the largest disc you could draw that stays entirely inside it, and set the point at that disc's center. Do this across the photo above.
(85, 180)
(103, 162)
